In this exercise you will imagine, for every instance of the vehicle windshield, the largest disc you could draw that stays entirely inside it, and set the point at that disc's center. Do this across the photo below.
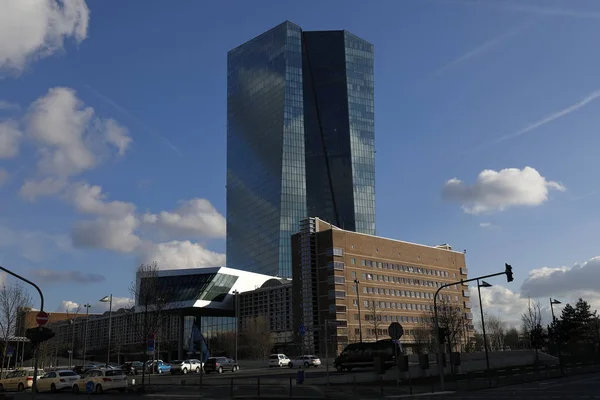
(114, 372)
(67, 373)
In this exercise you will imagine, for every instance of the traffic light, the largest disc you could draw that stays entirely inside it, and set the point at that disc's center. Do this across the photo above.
(39, 334)
(442, 333)
(508, 272)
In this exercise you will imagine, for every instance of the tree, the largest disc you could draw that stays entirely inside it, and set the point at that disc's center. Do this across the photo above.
(450, 317)
(496, 331)
(151, 300)
(531, 322)
(374, 318)
(12, 298)
(256, 337)
(511, 339)
(422, 339)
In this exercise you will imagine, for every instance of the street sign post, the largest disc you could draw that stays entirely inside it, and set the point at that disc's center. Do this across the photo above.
(41, 318)
(10, 350)
(395, 331)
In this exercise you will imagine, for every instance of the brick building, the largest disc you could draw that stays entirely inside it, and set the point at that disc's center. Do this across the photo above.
(335, 271)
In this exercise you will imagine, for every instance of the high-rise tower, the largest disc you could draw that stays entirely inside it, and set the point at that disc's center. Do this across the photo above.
(300, 141)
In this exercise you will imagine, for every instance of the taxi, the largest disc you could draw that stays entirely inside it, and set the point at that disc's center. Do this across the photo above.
(55, 381)
(101, 380)
(19, 380)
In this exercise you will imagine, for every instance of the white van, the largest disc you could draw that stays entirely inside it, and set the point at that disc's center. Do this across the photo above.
(278, 360)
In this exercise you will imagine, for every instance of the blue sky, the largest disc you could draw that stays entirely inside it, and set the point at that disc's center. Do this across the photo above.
(119, 114)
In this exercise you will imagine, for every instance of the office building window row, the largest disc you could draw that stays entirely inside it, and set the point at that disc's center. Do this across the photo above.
(401, 280)
(406, 268)
(406, 293)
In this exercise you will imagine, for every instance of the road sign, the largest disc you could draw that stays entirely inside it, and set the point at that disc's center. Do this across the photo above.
(89, 387)
(41, 318)
(10, 350)
(150, 346)
(395, 330)
(302, 330)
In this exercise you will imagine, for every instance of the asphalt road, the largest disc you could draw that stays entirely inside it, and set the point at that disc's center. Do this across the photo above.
(569, 388)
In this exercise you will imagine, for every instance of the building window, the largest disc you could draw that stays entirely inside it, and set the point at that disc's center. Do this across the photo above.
(339, 265)
(353, 261)
(353, 275)
(337, 294)
(340, 280)
(335, 251)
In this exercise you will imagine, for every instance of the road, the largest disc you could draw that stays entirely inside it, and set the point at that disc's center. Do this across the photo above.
(569, 388)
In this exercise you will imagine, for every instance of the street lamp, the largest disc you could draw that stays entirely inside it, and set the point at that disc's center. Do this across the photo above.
(555, 332)
(552, 303)
(108, 299)
(357, 282)
(487, 357)
(85, 335)
(237, 321)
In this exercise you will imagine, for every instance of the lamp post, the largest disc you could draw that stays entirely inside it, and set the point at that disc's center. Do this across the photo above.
(552, 303)
(554, 331)
(85, 334)
(237, 321)
(357, 282)
(487, 357)
(108, 299)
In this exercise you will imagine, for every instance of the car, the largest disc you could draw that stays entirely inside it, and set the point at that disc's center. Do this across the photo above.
(58, 380)
(305, 361)
(19, 379)
(160, 367)
(220, 364)
(185, 366)
(278, 360)
(101, 380)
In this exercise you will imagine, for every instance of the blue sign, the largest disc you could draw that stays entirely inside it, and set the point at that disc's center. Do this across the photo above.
(10, 350)
(150, 347)
(302, 330)
(89, 387)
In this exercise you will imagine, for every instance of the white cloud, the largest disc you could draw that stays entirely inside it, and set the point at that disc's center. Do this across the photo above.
(3, 176)
(571, 282)
(89, 199)
(495, 191)
(69, 306)
(97, 307)
(8, 106)
(195, 217)
(33, 29)
(70, 139)
(181, 254)
(499, 301)
(10, 138)
(485, 224)
(32, 189)
(117, 135)
(116, 234)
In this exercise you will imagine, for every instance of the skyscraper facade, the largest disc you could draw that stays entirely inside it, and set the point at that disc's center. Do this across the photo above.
(300, 141)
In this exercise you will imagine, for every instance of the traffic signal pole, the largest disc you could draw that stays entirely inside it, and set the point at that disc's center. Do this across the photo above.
(440, 367)
(36, 345)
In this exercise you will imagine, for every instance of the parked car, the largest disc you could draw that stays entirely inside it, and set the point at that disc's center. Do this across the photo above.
(185, 366)
(305, 361)
(133, 367)
(220, 364)
(55, 381)
(20, 380)
(278, 360)
(102, 380)
(160, 367)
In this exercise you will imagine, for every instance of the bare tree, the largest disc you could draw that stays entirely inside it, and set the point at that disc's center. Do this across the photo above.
(151, 301)
(495, 330)
(451, 317)
(12, 298)
(422, 339)
(374, 318)
(256, 337)
(531, 323)
(71, 316)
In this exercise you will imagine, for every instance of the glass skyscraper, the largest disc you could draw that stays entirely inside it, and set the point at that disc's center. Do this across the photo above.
(300, 141)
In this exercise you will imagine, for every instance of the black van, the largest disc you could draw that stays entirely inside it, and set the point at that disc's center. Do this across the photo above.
(362, 355)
